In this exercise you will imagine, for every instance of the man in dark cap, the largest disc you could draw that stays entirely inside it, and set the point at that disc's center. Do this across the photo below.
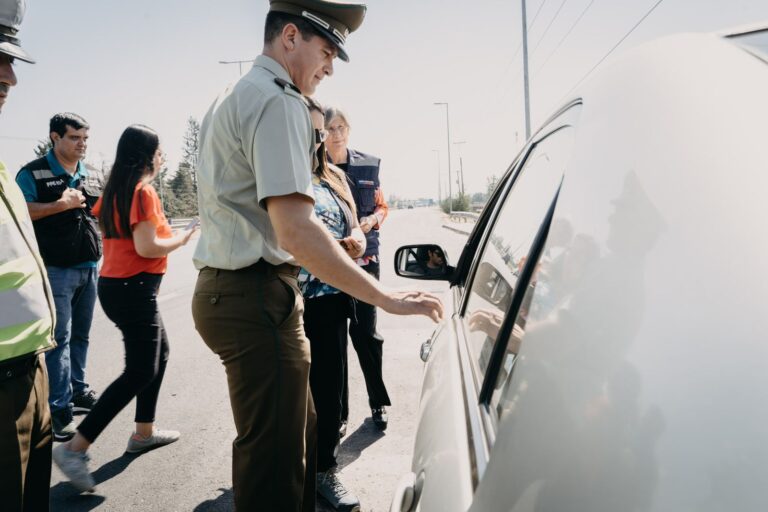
(256, 206)
(26, 323)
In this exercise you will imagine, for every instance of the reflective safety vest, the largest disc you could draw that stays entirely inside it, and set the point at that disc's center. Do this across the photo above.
(27, 312)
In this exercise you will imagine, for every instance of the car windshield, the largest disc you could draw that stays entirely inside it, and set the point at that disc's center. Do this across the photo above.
(755, 41)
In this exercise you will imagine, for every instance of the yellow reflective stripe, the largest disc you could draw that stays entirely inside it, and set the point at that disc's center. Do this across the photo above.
(23, 339)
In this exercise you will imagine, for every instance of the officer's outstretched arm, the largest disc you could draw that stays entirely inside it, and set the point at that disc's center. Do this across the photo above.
(300, 233)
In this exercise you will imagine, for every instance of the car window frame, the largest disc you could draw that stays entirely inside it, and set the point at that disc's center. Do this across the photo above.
(482, 432)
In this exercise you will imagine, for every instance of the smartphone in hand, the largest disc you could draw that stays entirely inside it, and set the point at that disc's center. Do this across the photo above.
(192, 224)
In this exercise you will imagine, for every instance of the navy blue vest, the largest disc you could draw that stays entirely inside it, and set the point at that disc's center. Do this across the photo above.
(69, 237)
(363, 177)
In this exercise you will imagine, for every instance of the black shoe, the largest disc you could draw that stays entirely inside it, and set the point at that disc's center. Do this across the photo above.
(379, 417)
(342, 429)
(64, 427)
(85, 401)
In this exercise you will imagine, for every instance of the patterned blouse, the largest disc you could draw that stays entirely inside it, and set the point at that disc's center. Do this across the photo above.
(329, 212)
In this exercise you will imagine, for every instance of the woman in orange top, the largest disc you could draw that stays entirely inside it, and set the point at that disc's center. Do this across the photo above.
(137, 240)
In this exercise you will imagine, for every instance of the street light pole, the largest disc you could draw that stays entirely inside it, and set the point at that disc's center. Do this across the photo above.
(439, 186)
(525, 76)
(238, 62)
(448, 146)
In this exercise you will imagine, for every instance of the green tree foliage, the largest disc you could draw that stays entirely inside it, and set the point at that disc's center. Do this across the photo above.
(190, 150)
(43, 146)
(185, 197)
(460, 204)
(167, 197)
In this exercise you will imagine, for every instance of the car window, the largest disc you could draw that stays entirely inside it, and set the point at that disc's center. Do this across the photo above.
(756, 41)
(508, 243)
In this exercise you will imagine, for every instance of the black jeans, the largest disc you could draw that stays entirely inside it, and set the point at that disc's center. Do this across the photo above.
(131, 303)
(325, 323)
(368, 344)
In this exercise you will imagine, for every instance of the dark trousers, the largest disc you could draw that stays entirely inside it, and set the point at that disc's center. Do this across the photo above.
(368, 344)
(252, 319)
(325, 323)
(25, 439)
(131, 303)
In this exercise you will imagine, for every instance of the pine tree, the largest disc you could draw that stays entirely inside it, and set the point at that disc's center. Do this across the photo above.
(43, 147)
(167, 197)
(184, 193)
(190, 150)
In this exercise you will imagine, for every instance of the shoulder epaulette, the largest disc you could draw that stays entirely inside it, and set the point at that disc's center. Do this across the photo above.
(285, 84)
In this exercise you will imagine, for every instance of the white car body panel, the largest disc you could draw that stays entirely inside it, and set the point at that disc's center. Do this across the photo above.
(641, 382)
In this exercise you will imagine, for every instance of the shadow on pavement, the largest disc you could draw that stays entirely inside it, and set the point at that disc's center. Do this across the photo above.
(354, 444)
(65, 497)
(225, 502)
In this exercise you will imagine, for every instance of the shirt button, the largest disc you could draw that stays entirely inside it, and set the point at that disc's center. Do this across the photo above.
(214, 300)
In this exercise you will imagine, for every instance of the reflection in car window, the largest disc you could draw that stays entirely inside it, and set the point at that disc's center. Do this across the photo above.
(507, 247)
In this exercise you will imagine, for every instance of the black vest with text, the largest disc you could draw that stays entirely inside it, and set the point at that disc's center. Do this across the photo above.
(363, 177)
(71, 237)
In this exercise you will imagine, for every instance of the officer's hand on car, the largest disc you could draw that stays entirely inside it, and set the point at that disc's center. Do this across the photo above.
(414, 303)
(72, 198)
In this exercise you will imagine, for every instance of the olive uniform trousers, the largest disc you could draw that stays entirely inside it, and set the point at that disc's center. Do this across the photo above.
(252, 319)
(25, 436)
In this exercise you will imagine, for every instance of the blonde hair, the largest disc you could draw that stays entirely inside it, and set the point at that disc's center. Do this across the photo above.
(327, 172)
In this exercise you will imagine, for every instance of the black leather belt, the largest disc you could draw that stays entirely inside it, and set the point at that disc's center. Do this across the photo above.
(17, 368)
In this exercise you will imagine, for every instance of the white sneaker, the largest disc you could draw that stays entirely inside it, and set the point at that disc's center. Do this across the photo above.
(139, 444)
(75, 466)
(330, 488)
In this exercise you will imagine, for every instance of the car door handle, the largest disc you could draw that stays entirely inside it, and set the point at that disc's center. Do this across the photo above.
(402, 501)
(426, 348)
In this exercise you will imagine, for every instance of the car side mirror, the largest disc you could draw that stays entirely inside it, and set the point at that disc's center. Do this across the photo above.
(426, 261)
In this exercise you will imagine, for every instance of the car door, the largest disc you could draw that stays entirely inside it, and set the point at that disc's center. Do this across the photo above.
(455, 429)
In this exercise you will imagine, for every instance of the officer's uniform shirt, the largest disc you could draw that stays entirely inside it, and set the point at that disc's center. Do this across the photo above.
(256, 141)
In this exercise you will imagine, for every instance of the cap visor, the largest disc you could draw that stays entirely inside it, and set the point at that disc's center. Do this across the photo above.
(330, 37)
(15, 51)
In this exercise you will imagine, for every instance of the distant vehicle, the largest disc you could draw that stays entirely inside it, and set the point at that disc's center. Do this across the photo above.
(608, 343)
(410, 206)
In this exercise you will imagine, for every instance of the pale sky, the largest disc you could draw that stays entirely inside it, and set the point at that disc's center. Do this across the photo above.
(156, 62)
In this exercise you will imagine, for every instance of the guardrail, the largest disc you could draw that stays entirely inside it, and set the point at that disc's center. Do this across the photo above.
(463, 216)
(179, 223)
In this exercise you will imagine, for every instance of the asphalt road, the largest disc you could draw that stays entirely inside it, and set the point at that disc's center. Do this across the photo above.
(194, 474)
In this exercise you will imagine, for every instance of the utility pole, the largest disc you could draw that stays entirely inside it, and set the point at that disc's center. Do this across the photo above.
(448, 146)
(238, 62)
(460, 180)
(439, 186)
(525, 76)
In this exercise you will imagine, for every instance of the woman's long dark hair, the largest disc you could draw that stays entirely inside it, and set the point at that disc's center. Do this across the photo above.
(133, 162)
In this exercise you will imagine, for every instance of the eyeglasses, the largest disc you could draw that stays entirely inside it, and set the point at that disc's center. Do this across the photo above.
(320, 136)
(341, 129)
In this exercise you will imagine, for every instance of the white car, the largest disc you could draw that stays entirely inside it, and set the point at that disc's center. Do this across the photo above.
(608, 347)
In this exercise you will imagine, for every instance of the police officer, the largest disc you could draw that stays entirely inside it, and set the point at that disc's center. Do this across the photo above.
(258, 224)
(26, 323)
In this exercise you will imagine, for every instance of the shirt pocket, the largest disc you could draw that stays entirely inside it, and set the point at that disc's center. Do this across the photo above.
(367, 191)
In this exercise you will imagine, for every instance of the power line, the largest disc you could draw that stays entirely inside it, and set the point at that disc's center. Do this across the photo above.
(549, 26)
(536, 15)
(568, 33)
(616, 46)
